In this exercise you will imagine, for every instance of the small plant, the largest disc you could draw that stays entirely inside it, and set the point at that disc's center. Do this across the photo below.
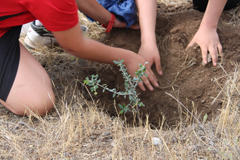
(129, 83)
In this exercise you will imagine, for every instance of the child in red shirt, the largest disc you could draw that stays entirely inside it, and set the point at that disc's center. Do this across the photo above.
(24, 84)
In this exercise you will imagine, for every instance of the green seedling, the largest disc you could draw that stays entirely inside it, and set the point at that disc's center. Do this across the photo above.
(129, 83)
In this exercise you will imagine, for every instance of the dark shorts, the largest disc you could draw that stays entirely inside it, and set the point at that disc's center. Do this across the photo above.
(9, 60)
(201, 5)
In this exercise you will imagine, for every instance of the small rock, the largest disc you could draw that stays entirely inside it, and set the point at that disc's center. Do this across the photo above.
(93, 137)
(156, 141)
(209, 59)
(106, 134)
(107, 138)
(113, 144)
(110, 141)
(202, 101)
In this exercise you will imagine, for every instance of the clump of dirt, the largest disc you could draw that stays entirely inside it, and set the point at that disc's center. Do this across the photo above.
(185, 78)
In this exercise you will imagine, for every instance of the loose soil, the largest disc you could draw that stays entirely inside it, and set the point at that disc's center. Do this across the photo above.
(185, 78)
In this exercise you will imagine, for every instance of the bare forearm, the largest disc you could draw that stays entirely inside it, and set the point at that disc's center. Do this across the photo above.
(95, 51)
(206, 36)
(93, 9)
(147, 19)
(213, 13)
(72, 41)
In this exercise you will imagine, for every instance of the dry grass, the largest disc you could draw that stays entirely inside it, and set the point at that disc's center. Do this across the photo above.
(78, 130)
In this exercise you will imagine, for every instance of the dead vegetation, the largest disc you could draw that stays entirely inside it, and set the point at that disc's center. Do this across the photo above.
(77, 129)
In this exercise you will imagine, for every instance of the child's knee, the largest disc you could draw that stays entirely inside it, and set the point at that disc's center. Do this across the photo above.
(33, 106)
(42, 106)
(39, 109)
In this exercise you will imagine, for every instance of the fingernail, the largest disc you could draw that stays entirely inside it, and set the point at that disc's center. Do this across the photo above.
(160, 72)
(215, 64)
(205, 62)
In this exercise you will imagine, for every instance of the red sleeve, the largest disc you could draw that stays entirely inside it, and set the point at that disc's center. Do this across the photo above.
(55, 15)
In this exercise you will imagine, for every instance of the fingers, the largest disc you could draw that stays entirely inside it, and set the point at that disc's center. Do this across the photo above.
(146, 80)
(119, 24)
(158, 66)
(208, 40)
(204, 54)
(214, 51)
(147, 83)
(220, 49)
(214, 54)
(135, 26)
(191, 44)
(141, 86)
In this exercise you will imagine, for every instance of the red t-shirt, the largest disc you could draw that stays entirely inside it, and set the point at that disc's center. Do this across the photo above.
(55, 15)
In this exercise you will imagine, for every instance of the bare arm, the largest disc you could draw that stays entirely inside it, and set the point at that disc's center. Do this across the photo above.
(206, 36)
(72, 41)
(147, 11)
(147, 18)
(213, 13)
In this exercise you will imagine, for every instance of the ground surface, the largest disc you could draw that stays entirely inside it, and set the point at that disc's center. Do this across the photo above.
(76, 129)
(184, 75)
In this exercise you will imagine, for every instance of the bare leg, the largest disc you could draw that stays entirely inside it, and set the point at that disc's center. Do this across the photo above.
(93, 9)
(31, 89)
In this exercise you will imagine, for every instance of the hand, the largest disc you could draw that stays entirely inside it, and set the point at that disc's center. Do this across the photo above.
(133, 66)
(208, 40)
(151, 55)
(119, 24)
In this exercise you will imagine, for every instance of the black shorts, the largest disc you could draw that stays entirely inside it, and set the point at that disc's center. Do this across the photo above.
(9, 60)
(201, 5)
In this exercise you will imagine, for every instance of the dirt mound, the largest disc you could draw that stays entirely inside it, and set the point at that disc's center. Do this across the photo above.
(184, 77)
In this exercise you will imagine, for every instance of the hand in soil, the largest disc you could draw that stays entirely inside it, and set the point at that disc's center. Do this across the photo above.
(208, 40)
(119, 24)
(151, 55)
(150, 79)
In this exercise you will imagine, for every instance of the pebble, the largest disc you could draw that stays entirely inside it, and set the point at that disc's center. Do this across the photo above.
(156, 141)
(106, 134)
(113, 144)
(93, 137)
